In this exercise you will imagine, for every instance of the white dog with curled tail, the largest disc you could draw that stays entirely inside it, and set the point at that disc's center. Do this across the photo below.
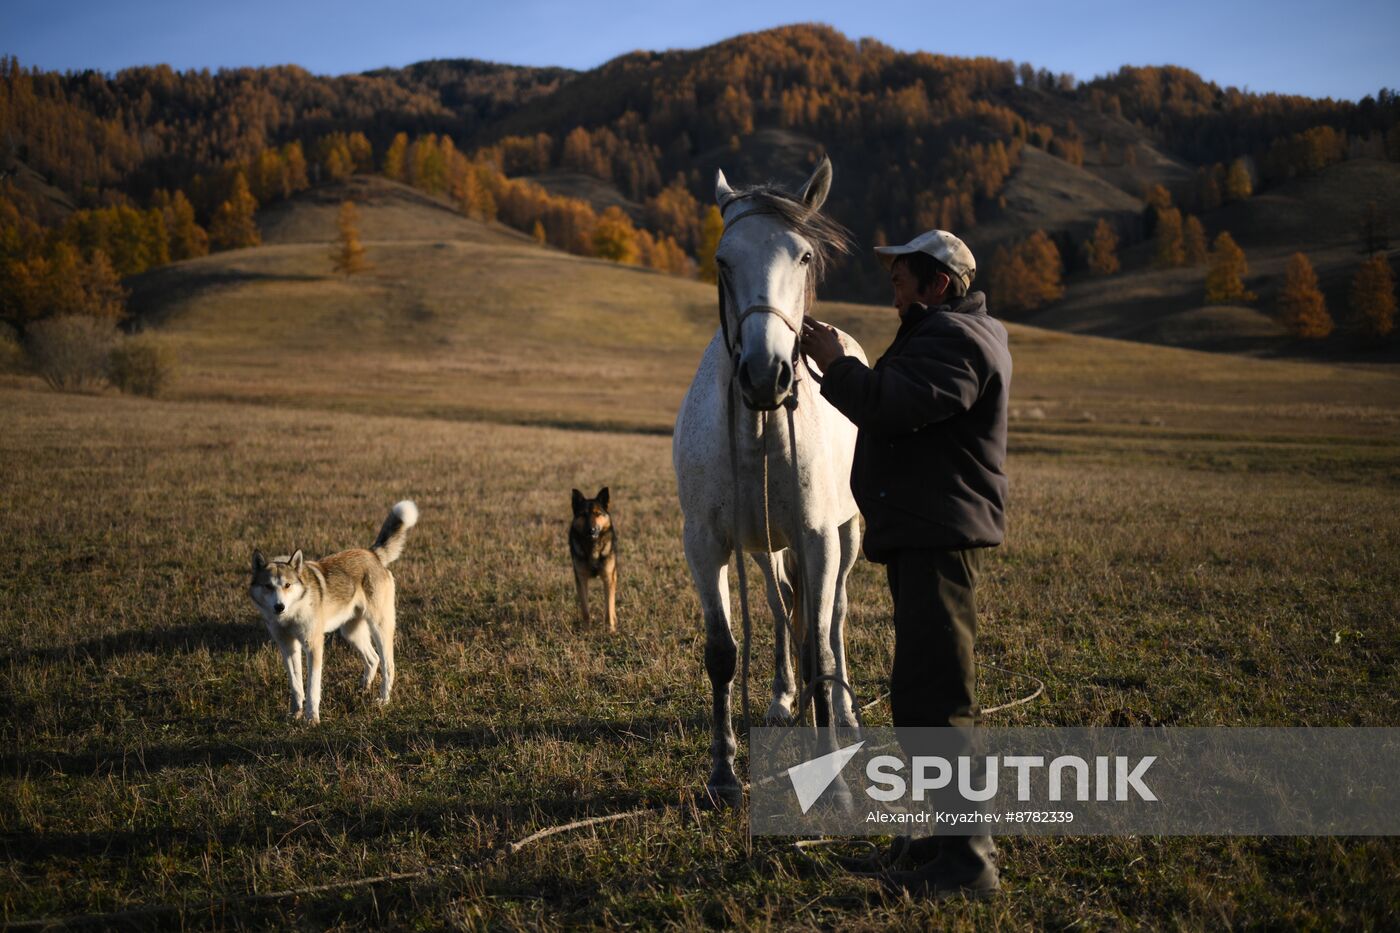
(351, 592)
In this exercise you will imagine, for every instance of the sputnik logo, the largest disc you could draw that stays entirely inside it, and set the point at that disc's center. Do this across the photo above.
(811, 778)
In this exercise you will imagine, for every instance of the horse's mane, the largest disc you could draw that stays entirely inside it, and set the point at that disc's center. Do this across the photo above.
(828, 238)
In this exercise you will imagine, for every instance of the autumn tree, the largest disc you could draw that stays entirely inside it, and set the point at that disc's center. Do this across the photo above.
(64, 283)
(1101, 250)
(233, 226)
(1373, 297)
(1226, 272)
(396, 158)
(294, 167)
(349, 253)
(1027, 276)
(1301, 305)
(711, 229)
(1193, 241)
(1238, 183)
(615, 238)
(361, 152)
(538, 234)
(1171, 248)
(187, 238)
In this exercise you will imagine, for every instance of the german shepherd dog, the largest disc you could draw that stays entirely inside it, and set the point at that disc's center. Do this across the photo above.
(593, 546)
(351, 592)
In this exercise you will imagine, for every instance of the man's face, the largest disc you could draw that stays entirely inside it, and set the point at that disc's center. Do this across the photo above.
(906, 288)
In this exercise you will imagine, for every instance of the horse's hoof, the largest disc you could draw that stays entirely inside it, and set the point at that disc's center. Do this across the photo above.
(779, 714)
(722, 796)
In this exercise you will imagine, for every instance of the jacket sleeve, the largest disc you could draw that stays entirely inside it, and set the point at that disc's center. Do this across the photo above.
(935, 379)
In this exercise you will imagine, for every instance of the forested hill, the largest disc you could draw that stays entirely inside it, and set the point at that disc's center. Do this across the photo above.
(918, 139)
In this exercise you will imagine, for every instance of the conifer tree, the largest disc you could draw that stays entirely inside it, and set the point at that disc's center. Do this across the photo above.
(1225, 276)
(711, 229)
(1373, 298)
(233, 226)
(1193, 242)
(1043, 259)
(187, 238)
(396, 158)
(1238, 184)
(294, 160)
(1301, 305)
(361, 152)
(1102, 249)
(349, 252)
(1171, 248)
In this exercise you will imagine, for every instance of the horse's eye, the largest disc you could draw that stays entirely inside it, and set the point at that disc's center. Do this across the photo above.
(806, 258)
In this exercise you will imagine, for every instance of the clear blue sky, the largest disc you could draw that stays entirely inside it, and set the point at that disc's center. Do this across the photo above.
(1344, 49)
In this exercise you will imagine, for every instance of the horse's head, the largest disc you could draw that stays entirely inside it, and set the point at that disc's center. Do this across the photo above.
(769, 265)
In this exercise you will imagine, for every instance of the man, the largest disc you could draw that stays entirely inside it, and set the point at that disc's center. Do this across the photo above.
(928, 477)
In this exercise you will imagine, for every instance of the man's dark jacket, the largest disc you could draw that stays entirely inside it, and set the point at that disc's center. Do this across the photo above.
(929, 458)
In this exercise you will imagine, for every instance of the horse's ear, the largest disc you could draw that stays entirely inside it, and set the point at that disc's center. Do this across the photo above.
(723, 193)
(602, 498)
(578, 500)
(818, 186)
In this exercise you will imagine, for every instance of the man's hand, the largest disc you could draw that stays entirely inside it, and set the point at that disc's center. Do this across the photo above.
(820, 342)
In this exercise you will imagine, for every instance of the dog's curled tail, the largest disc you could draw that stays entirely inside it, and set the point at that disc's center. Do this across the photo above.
(389, 545)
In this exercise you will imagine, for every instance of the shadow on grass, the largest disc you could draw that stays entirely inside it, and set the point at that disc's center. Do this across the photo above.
(343, 819)
(316, 744)
(211, 635)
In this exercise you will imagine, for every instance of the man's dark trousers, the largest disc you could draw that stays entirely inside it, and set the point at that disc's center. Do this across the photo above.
(934, 680)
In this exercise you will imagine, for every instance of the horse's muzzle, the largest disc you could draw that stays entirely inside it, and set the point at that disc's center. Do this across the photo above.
(764, 388)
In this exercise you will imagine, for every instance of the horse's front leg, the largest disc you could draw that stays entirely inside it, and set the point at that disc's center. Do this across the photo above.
(819, 575)
(845, 698)
(709, 567)
(777, 570)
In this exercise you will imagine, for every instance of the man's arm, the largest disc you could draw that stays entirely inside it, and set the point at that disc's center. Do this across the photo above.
(937, 379)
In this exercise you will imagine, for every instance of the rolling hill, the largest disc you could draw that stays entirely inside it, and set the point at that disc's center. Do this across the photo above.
(462, 320)
(991, 149)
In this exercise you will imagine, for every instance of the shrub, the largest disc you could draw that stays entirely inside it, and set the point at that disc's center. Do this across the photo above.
(11, 353)
(141, 366)
(70, 352)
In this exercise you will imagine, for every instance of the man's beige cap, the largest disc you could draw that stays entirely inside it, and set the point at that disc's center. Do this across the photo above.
(941, 245)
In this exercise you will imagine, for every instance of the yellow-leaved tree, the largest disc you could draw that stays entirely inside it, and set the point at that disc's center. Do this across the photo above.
(1101, 250)
(349, 253)
(1301, 305)
(711, 229)
(233, 226)
(615, 237)
(1225, 276)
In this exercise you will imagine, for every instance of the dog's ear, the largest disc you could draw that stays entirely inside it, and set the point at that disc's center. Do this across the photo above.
(259, 562)
(579, 500)
(602, 498)
(297, 560)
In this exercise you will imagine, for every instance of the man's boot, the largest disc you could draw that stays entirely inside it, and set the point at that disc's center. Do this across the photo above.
(965, 867)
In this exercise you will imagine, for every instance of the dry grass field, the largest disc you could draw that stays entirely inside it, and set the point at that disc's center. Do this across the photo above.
(1194, 540)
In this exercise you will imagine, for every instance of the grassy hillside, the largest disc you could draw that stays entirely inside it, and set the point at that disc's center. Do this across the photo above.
(1320, 216)
(469, 321)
